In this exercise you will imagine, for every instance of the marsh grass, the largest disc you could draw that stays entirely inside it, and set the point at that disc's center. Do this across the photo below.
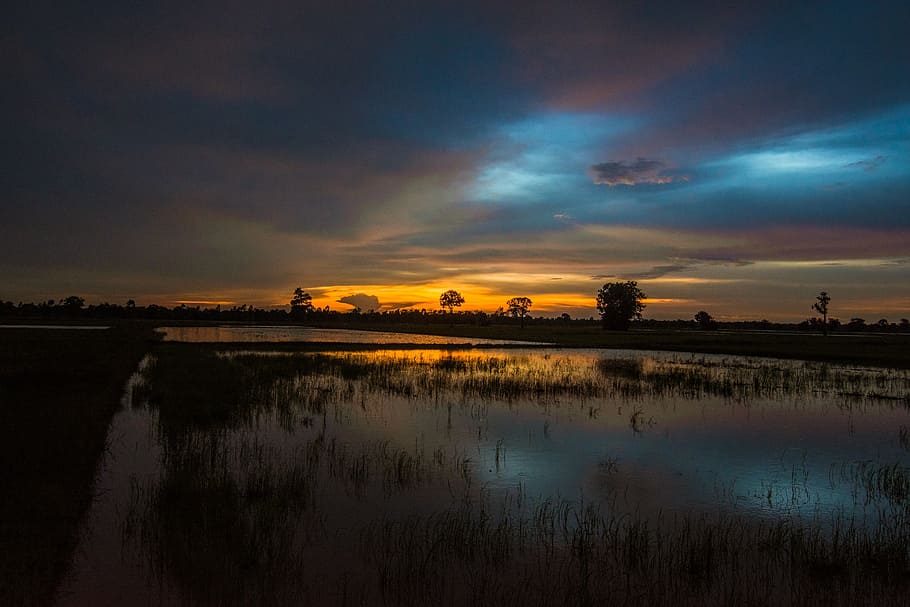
(233, 520)
(563, 553)
(226, 523)
(216, 549)
(877, 480)
(237, 517)
(551, 377)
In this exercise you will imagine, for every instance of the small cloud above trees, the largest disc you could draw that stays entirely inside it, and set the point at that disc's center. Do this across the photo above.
(361, 301)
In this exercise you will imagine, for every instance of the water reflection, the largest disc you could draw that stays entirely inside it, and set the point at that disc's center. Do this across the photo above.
(272, 473)
(294, 333)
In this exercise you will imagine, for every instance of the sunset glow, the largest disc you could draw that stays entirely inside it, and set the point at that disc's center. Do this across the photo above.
(736, 160)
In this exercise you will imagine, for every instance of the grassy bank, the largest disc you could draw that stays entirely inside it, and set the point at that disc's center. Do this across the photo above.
(58, 393)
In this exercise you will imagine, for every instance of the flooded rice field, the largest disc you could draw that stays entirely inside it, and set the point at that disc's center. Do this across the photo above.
(532, 477)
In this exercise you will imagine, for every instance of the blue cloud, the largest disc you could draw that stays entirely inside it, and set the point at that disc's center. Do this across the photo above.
(545, 156)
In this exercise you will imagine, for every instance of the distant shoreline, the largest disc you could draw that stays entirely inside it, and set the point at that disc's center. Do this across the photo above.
(874, 349)
(882, 350)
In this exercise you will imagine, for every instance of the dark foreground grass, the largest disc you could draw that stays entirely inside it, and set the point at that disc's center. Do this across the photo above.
(58, 393)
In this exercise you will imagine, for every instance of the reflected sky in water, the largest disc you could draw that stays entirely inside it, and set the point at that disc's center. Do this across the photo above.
(260, 333)
(398, 433)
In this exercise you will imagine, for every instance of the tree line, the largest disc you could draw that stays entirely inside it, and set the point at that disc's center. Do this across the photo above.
(619, 305)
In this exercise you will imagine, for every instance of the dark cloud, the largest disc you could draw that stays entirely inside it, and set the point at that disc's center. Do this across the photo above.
(869, 164)
(806, 243)
(638, 171)
(599, 54)
(362, 301)
(721, 261)
(657, 272)
(766, 79)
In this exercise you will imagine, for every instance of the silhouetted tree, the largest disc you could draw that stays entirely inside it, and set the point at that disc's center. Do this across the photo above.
(856, 324)
(73, 304)
(618, 303)
(301, 303)
(451, 299)
(705, 321)
(565, 318)
(518, 308)
(821, 306)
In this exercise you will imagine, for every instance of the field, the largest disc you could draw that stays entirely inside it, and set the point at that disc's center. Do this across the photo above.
(338, 474)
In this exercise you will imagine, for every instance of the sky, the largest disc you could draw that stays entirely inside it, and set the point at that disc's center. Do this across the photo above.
(737, 158)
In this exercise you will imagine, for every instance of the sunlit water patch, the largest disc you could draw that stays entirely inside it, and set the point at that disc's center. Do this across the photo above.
(251, 477)
(265, 334)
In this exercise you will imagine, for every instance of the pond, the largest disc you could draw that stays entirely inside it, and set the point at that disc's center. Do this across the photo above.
(295, 333)
(405, 476)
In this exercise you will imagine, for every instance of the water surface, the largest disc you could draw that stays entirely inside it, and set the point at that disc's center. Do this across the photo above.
(294, 333)
(233, 470)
